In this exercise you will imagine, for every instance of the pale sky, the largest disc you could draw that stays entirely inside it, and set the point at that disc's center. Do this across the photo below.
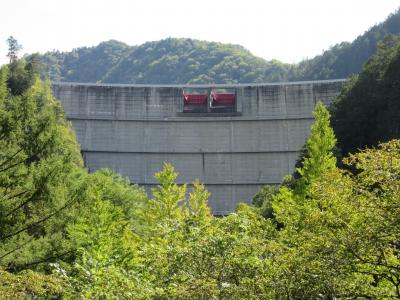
(288, 30)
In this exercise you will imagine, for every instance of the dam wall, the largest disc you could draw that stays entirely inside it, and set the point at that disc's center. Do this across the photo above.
(134, 129)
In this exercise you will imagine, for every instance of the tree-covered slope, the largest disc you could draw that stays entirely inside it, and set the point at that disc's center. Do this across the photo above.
(367, 111)
(166, 61)
(346, 58)
(186, 60)
(84, 64)
(192, 61)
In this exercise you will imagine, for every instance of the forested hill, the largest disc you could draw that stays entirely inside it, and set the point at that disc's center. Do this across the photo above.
(346, 58)
(166, 61)
(192, 61)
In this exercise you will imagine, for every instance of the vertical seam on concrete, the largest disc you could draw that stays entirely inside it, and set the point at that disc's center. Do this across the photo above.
(146, 146)
(146, 95)
(113, 134)
(258, 101)
(86, 101)
(85, 137)
(114, 99)
(287, 131)
(204, 167)
(286, 115)
(233, 196)
(231, 147)
(313, 95)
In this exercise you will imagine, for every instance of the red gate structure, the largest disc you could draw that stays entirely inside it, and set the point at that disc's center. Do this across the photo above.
(222, 101)
(209, 99)
(195, 102)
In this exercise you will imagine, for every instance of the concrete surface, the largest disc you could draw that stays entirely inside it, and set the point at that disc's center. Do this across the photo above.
(134, 129)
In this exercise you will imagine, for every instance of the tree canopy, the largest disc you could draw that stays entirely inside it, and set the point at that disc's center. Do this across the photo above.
(367, 110)
(13, 48)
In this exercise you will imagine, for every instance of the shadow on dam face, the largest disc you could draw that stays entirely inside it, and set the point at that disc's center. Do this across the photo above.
(134, 129)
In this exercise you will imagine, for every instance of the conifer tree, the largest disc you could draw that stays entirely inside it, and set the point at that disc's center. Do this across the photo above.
(39, 174)
(319, 149)
(13, 48)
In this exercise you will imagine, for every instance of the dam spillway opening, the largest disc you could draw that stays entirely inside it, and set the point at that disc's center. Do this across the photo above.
(209, 100)
(236, 143)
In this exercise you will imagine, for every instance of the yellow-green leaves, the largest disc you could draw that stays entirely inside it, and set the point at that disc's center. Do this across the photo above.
(168, 196)
(319, 147)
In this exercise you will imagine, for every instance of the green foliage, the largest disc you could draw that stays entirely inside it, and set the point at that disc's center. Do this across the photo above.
(188, 253)
(198, 203)
(84, 64)
(342, 241)
(100, 236)
(22, 74)
(39, 171)
(29, 285)
(367, 110)
(103, 240)
(13, 48)
(119, 191)
(222, 260)
(166, 61)
(375, 208)
(317, 159)
(168, 196)
(345, 58)
(263, 200)
(180, 250)
(319, 148)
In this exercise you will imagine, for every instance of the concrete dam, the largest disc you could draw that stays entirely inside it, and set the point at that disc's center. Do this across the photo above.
(250, 138)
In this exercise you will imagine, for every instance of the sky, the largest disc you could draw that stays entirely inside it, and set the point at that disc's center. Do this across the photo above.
(287, 30)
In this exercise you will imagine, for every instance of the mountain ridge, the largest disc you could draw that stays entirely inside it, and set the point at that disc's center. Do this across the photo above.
(191, 61)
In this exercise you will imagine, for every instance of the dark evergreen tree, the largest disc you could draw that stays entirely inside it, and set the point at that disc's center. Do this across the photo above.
(39, 169)
(368, 109)
(13, 48)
